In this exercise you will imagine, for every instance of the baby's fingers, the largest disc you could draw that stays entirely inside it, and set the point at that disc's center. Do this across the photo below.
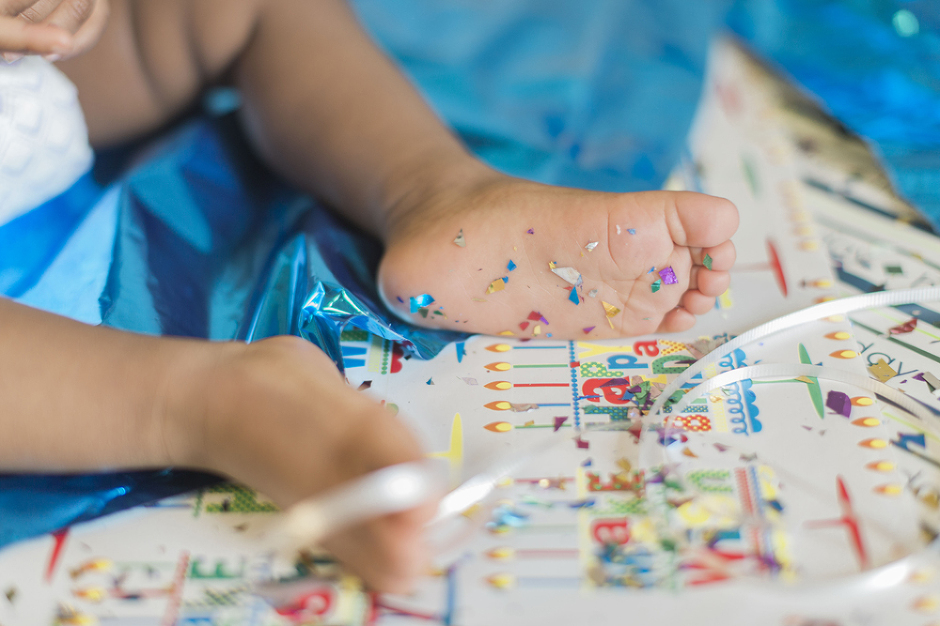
(19, 36)
(388, 553)
(71, 15)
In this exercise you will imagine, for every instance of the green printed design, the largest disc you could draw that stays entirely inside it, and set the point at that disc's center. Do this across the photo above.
(711, 481)
(241, 500)
(386, 351)
(815, 393)
(593, 369)
(661, 365)
(616, 413)
(620, 507)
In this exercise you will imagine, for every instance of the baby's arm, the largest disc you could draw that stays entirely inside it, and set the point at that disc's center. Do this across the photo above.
(274, 414)
(79, 398)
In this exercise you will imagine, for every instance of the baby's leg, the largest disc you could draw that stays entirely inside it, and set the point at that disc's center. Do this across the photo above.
(537, 260)
(154, 59)
(329, 112)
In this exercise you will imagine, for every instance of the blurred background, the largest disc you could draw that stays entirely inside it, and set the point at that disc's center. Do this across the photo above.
(600, 93)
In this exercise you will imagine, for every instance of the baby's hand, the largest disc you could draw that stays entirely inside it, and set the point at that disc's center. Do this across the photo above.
(56, 29)
(278, 416)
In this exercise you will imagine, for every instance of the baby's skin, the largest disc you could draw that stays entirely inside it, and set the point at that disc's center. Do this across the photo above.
(590, 265)
(331, 114)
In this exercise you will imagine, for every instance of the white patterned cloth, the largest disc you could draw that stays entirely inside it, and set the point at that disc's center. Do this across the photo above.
(43, 138)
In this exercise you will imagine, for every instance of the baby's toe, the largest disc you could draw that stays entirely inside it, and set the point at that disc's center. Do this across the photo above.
(676, 321)
(701, 221)
(696, 302)
(711, 283)
(720, 257)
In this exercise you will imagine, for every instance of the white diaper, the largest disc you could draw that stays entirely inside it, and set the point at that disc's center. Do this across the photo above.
(43, 138)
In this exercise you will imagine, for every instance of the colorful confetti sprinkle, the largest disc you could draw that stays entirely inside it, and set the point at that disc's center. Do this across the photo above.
(590, 247)
(932, 382)
(511, 266)
(618, 229)
(657, 284)
(839, 402)
(522, 408)
(420, 302)
(567, 274)
(460, 240)
(573, 296)
(531, 231)
(537, 330)
(651, 270)
(430, 381)
(668, 276)
(592, 293)
(535, 316)
(609, 309)
(881, 371)
(497, 285)
(507, 333)
(906, 327)
(559, 422)
(588, 329)
(632, 231)
(707, 261)
(523, 325)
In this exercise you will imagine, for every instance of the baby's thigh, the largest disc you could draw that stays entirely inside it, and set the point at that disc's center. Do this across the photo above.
(154, 59)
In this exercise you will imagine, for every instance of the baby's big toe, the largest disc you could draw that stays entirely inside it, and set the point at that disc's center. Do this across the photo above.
(702, 221)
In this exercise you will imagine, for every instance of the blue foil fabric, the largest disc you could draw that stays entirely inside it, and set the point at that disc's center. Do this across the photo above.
(600, 93)
(209, 244)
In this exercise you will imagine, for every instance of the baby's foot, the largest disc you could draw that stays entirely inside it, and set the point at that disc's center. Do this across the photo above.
(534, 260)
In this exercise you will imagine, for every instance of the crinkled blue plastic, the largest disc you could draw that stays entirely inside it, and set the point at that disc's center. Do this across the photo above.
(209, 244)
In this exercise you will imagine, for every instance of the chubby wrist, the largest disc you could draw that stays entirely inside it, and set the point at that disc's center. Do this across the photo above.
(191, 376)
